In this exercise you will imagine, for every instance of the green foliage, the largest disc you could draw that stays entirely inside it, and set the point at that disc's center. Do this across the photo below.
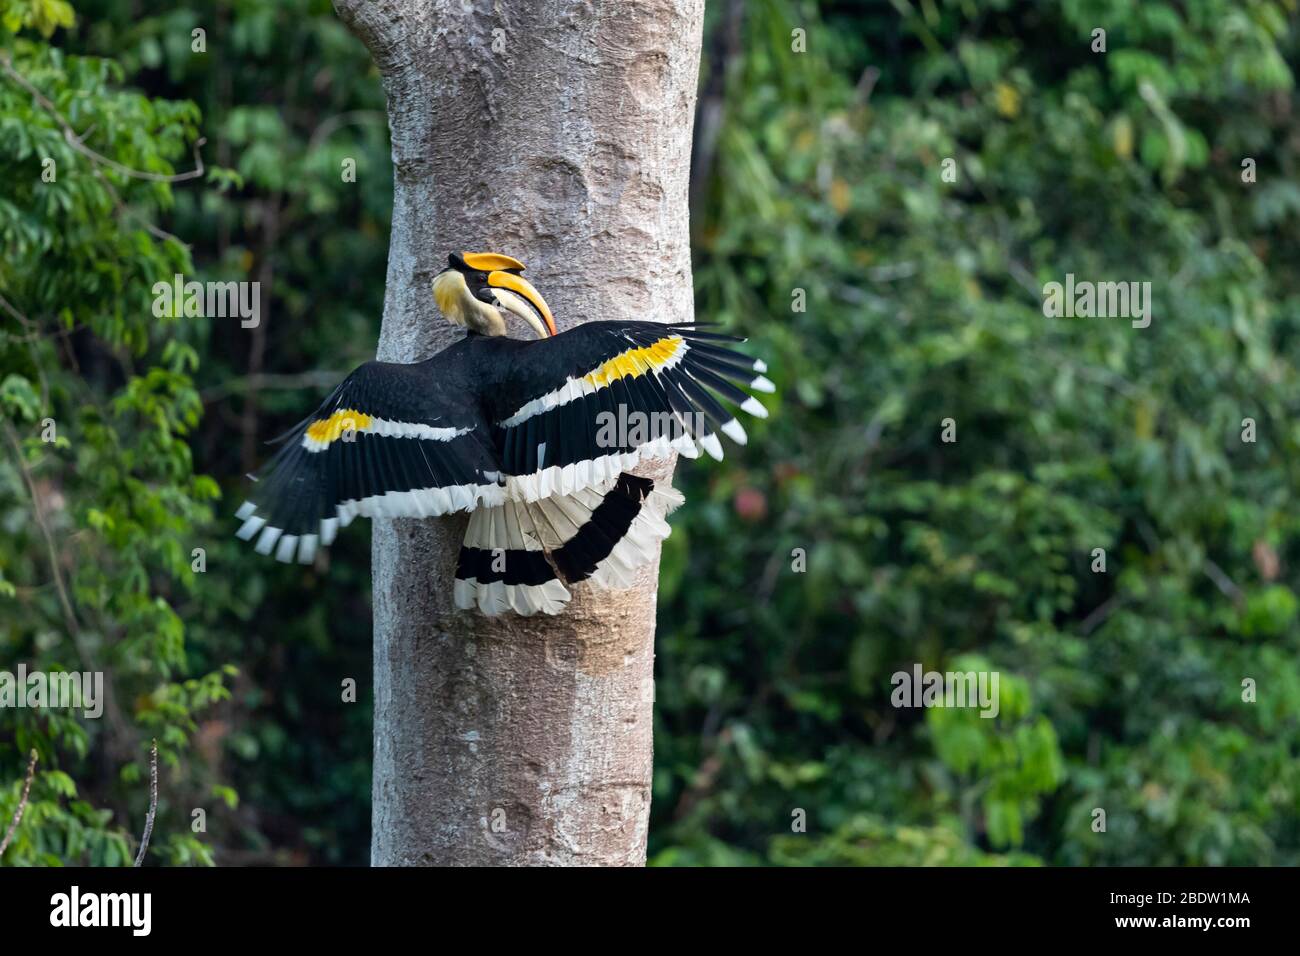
(44, 16)
(870, 841)
(1008, 760)
(98, 494)
(269, 210)
(924, 302)
(845, 543)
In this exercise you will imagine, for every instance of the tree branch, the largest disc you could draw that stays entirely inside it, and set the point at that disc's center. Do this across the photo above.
(69, 616)
(84, 653)
(1223, 582)
(9, 307)
(76, 141)
(153, 804)
(22, 804)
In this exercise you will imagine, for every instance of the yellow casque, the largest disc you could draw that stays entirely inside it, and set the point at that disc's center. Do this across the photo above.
(490, 261)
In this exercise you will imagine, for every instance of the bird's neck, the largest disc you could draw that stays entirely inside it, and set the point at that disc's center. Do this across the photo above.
(481, 318)
(459, 306)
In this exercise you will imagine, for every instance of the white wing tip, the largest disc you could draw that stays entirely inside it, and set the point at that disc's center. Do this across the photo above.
(735, 431)
(267, 540)
(754, 407)
(762, 384)
(250, 527)
(287, 548)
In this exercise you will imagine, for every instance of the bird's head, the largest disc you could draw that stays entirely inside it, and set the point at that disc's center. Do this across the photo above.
(476, 286)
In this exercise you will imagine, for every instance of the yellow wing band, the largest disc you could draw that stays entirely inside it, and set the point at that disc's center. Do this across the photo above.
(326, 430)
(636, 362)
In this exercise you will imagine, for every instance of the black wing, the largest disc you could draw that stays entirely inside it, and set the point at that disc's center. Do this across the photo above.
(596, 400)
(391, 441)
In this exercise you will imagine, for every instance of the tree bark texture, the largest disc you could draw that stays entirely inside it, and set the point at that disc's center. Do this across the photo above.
(557, 131)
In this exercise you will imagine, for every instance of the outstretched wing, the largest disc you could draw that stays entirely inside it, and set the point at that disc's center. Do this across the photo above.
(595, 401)
(389, 442)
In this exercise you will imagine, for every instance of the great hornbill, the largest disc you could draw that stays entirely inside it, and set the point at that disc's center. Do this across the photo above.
(535, 438)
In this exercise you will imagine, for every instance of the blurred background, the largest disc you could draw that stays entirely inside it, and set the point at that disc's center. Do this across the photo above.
(885, 295)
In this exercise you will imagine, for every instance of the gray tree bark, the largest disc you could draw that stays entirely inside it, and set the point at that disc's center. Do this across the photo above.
(557, 131)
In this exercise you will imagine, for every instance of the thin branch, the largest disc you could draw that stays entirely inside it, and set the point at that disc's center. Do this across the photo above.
(1022, 275)
(12, 310)
(867, 83)
(22, 804)
(75, 140)
(156, 231)
(1223, 582)
(1098, 615)
(69, 616)
(84, 653)
(153, 803)
(1209, 568)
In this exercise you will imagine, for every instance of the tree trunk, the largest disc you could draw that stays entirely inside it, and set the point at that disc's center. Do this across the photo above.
(558, 132)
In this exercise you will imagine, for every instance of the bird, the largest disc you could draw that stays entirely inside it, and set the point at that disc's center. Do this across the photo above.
(536, 438)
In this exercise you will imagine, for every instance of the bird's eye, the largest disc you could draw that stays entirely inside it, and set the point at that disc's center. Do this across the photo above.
(482, 277)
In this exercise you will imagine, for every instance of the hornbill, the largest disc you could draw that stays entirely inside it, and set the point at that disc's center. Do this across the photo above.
(536, 438)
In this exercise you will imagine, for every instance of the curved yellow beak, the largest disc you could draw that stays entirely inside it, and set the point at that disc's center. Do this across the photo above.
(536, 308)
